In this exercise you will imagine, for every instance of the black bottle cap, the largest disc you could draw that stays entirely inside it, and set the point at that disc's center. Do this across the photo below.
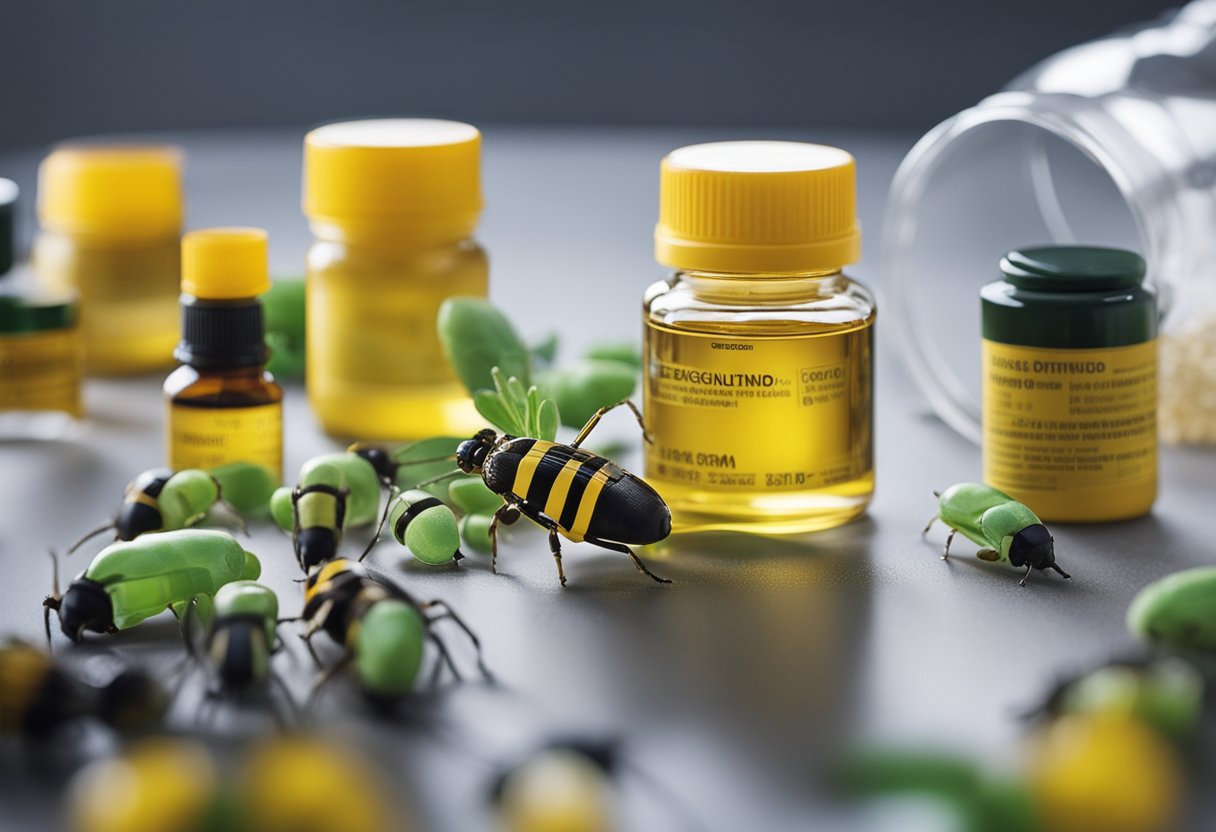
(222, 333)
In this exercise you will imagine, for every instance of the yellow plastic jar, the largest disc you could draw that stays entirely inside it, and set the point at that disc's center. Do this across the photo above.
(111, 223)
(393, 204)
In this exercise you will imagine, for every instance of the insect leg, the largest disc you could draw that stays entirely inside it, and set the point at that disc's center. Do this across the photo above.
(1025, 575)
(89, 536)
(949, 538)
(555, 546)
(445, 658)
(448, 612)
(929, 525)
(325, 679)
(388, 504)
(296, 493)
(506, 514)
(637, 561)
(599, 414)
(229, 507)
(1063, 574)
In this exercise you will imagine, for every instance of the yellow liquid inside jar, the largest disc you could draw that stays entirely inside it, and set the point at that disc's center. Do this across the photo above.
(128, 294)
(376, 369)
(759, 397)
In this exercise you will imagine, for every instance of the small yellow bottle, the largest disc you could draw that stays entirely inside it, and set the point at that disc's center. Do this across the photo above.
(111, 221)
(39, 346)
(222, 404)
(393, 204)
(758, 348)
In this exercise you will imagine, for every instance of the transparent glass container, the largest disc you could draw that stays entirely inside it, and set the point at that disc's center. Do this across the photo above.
(794, 453)
(375, 364)
(1109, 143)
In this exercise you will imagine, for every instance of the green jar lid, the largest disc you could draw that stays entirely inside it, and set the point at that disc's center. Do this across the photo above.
(1070, 297)
(1073, 268)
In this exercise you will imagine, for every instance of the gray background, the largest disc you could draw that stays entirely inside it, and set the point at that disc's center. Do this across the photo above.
(74, 66)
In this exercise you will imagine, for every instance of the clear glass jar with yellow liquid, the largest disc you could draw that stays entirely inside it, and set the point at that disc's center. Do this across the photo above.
(393, 204)
(759, 350)
(111, 221)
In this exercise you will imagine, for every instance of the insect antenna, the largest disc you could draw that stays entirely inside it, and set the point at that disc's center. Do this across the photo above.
(229, 507)
(388, 504)
(89, 536)
(456, 472)
(1063, 574)
(429, 460)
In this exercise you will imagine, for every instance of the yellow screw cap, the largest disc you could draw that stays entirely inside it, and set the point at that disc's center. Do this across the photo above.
(225, 263)
(757, 207)
(121, 192)
(415, 178)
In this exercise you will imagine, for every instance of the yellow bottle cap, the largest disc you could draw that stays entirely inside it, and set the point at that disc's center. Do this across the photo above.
(121, 192)
(225, 263)
(757, 207)
(419, 179)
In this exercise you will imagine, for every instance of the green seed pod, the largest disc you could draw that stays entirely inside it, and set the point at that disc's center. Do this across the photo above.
(475, 530)
(388, 649)
(284, 312)
(471, 496)
(476, 337)
(246, 486)
(280, 507)
(1178, 611)
(624, 352)
(286, 362)
(583, 387)
(425, 526)
(363, 505)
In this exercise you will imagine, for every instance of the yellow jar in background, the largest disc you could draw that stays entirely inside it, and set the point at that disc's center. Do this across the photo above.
(111, 221)
(392, 204)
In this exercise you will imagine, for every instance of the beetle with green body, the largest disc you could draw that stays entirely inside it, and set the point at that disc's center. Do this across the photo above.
(1177, 611)
(159, 499)
(1007, 531)
(130, 581)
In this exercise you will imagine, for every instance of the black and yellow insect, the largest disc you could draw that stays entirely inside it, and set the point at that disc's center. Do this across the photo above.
(572, 492)
(382, 627)
(39, 696)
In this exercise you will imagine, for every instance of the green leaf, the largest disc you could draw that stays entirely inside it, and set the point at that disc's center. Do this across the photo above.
(476, 337)
(544, 352)
(533, 411)
(408, 476)
(495, 410)
(518, 415)
(547, 420)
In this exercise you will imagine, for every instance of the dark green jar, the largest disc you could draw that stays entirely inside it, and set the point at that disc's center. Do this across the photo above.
(1070, 382)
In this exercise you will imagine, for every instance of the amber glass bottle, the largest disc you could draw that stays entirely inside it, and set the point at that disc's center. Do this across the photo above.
(223, 405)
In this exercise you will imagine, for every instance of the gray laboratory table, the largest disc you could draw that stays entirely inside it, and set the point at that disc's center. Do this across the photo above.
(728, 689)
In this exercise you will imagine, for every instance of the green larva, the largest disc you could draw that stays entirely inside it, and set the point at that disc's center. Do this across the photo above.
(1008, 531)
(132, 580)
(1177, 611)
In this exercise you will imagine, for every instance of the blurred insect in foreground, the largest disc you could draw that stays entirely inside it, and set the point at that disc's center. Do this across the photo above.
(1008, 531)
(38, 696)
(239, 643)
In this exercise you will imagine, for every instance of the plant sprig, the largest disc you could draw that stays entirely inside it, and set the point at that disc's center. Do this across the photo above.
(517, 410)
